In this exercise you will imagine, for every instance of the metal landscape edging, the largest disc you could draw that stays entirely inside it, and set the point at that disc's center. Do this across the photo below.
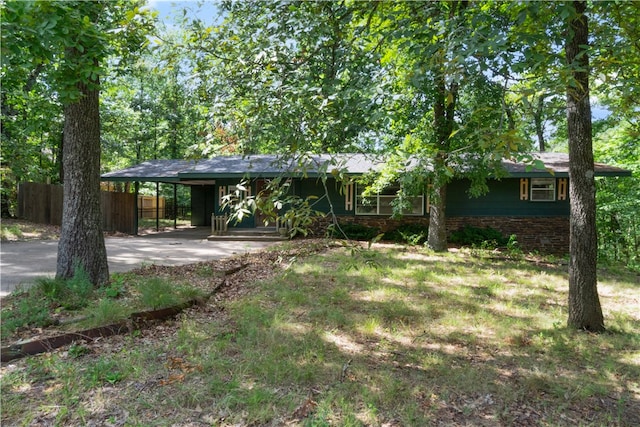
(134, 321)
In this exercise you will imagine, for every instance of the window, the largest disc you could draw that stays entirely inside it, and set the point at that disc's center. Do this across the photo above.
(543, 189)
(237, 192)
(381, 203)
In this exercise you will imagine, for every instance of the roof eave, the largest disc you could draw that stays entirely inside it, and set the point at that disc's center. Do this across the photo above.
(622, 173)
(542, 174)
(139, 179)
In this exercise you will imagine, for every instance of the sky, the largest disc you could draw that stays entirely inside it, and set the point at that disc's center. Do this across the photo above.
(167, 9)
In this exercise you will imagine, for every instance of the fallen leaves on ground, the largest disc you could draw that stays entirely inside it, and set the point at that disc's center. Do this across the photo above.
(224, 280)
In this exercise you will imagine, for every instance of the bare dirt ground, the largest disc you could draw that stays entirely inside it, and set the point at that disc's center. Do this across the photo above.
(27, 231)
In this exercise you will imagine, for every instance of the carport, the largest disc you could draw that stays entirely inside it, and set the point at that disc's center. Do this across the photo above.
(209, 180)
(161, 171)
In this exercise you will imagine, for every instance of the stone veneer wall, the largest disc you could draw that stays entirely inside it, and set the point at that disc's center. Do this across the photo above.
(544, 234)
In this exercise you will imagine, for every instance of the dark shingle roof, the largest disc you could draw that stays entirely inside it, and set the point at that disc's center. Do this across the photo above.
(559, 163)
(310, 165)
(258, 165)
(151, 170)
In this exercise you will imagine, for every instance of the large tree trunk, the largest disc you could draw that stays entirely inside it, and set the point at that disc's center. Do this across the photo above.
(443, 121)
(437, 235)
(81, 239)
(584, 305)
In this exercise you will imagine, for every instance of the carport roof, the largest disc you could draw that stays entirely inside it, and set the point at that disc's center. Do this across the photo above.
(152, 170)
(269, 166)
(257, 165)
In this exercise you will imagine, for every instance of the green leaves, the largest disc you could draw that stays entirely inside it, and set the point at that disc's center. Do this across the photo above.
(49, 48)
(75, 37)
(291, 76)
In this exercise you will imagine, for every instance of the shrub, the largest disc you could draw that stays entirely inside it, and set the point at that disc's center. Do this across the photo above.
(413, 234)
(106, 311)
(72, 294)
(513, 247)
(475, 236)
(52, 288)
(115, 288)
(33, 309)
(354, 232)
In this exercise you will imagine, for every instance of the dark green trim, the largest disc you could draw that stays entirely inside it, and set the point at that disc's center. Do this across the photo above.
(537, 175)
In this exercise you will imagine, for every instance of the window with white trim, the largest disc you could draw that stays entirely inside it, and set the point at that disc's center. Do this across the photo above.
(381, 203)
(543, 189)
(222, 191)
(241, 191)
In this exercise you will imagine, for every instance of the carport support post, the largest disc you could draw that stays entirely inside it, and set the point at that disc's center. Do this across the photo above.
(175, 206)
(157, 205)
(136, 188)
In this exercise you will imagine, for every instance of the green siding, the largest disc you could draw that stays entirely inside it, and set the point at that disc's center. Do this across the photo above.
(313, 187)
(503, 199)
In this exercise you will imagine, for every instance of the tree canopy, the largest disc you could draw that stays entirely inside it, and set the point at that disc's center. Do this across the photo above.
(445, 83)
(64, 48)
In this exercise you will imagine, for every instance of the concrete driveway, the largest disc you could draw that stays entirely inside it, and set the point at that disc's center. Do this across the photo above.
(23, 262)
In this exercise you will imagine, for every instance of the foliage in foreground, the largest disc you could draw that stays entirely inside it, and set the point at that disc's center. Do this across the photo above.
(50, 299)
(419, 339)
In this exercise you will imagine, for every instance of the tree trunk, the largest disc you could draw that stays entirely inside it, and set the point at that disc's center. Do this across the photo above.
(81, 239)
(437, 235)
(443, 113)
(584, 304)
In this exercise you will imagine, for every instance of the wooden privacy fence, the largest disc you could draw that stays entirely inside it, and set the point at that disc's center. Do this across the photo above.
(42, 204)
(150, 207)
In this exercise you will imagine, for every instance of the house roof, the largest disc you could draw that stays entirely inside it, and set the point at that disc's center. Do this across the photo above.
(257, 165)
(151, 170)
(268, 166)
(559, 164)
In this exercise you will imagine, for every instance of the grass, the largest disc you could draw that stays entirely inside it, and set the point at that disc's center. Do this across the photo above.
(150, 223)
(396, 336)
(10, 232)
(15, 229)
(76, 298)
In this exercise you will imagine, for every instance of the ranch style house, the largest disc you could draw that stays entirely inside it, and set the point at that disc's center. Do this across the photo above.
(529, 202)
